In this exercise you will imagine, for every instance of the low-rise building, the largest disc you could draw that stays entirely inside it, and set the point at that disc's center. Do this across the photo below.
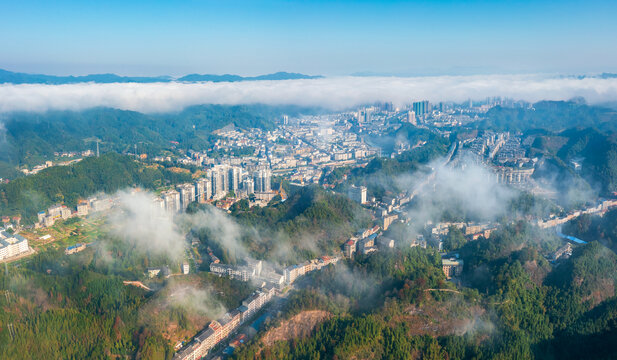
(452, 267)
(74, 249)
(12, 245)
(350, 247)
(563, 252)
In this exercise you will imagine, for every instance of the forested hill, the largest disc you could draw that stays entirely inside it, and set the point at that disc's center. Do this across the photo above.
(67, 184)
(594, 150)
(34, 137)
(550, 115)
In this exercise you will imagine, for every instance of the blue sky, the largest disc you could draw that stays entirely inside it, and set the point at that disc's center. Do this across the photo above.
(314, 37)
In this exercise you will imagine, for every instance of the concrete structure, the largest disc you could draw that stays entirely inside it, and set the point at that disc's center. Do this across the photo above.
(12, 245)
(243, 273)
(358, 194)
(220, 180)
(262, 179)
(563, 252)
(248, 186)
(385, 242)
(411, 117)
(508, 175)
(350, 247)
(452, 267)
(235, 178)
(74, 249)
(219, 330)
(421, 108)
(388, 220)
(187, 195)
(203, 190)
(83, 208)
(172, 200)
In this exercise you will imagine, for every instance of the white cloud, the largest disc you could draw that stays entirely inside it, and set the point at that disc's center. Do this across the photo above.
(334, 93)
(139, 221)
(467, 186)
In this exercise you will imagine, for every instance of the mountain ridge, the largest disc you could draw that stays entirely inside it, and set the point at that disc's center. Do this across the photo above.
(10, 77)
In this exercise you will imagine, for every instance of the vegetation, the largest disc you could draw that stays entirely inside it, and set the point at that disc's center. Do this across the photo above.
(77, 306)
(311, 221)
(67, 184)
(380, 174)
(549, 115)
(32, 138)
(528, 307)
(600, 228)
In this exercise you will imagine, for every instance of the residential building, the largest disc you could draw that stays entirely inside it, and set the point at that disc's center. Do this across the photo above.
(358, 194)
(187, 195)
(262, 179)
(203, 190)
(172, 200)
(452, 267)
(74, 249)
(12, 245)
(350, 247)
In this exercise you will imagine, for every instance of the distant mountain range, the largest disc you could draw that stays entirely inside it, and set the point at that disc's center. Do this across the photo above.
(24, 78)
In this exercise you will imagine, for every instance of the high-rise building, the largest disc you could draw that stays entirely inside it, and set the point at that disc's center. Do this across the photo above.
(421, 108)
(285, 119)
(411, 117)
(248, 186)
(187, 194)
(172, 200)
(203, 190)
(367, 114)
(358, 194)
(262, 180)
(235, 178)
(219, 177)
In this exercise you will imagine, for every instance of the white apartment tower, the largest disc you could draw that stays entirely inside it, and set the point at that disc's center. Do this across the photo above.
(187, 194)
(203, 190)
(172, 200)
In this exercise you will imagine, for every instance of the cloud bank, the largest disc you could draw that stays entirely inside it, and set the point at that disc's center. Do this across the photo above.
(332, 93)
(140, 222)
(468, 187)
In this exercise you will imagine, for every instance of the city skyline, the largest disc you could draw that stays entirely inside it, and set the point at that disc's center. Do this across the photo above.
(325, 38)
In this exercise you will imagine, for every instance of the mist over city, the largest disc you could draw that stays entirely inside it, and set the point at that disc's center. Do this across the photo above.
(308, 180)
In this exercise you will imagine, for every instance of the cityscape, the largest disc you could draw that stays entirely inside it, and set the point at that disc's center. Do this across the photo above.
(282, 180)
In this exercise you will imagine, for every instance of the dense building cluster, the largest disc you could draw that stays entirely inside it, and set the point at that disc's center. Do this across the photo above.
(83, 208)
(220, 329)
(257, 270)
(600, 207)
